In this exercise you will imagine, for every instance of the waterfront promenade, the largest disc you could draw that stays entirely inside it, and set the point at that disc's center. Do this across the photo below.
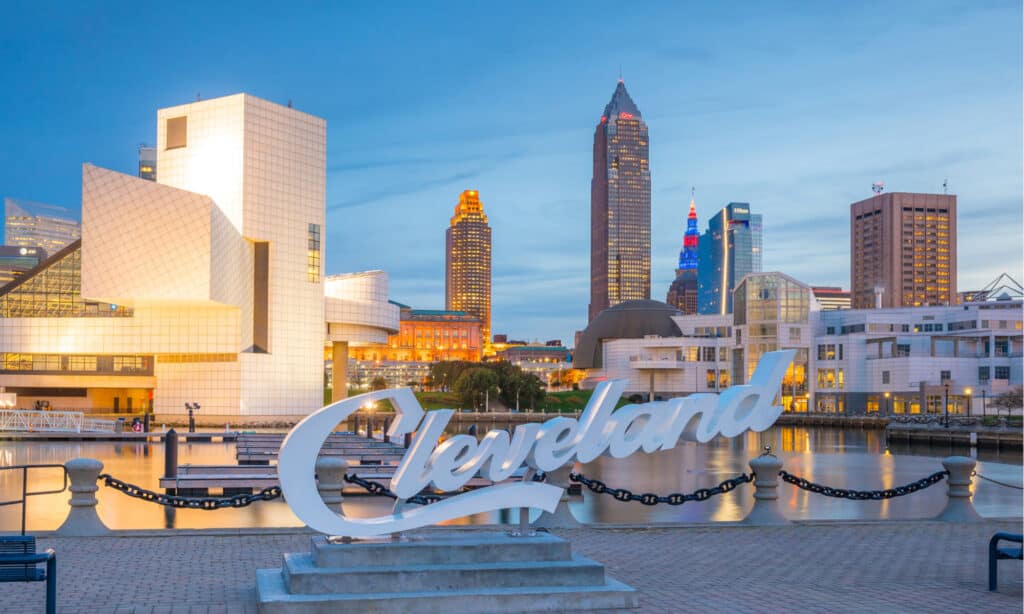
(871, 567)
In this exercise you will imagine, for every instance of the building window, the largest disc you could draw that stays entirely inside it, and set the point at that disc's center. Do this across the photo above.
(177, 132)
(839, 378)
(983, 374)
(830, 330)
(711, 379)
(709, 354)
(944, 376)
(840, 351)
(313, 254)
(885, 377)
(794, 335)
(1002, 372)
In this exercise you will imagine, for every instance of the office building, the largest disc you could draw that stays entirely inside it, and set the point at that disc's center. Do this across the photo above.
(903, 250)
(729, 249)
(467, 257)
(620, 206)
(16, 260)
(147, 162)
(204, 287)
(33, 224)
(831, 297)
(682, 294)
(907, 360)
(428, 335)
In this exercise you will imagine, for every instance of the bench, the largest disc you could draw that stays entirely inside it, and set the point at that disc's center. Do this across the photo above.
(995, 553)
(18, 563)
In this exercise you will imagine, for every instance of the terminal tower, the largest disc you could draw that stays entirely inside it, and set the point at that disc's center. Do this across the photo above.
(682, 294)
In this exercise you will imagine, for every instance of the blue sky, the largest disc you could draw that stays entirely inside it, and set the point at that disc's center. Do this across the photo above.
(795, 108)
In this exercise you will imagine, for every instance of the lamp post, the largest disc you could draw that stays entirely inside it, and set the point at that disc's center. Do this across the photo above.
(967, 391)
(945, 405)
(888, 407)
(984, 411)
(191, 416)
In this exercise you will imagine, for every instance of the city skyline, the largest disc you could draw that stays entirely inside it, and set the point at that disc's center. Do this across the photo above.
(799, 131)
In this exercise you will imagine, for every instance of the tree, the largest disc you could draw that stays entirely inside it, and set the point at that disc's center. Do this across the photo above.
(444, 374)
(1010, 400)
(522, 390)
(474, 385)
(378, 383)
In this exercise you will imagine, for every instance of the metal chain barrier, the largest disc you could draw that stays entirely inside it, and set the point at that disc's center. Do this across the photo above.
(192, 503)
(863, 495)
(701, 494)
(975, 473)
(379, 490)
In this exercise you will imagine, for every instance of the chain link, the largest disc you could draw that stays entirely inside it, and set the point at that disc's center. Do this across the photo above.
(192, 503)
(863, 495)
(975, 473)
(379, 490)
(624, 495)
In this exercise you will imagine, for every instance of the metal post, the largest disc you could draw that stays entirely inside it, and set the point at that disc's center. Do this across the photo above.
(355, 425)
(171, 454)
(984, 411)
(145, 422)
(945, 405)
(191, 422)
(51, 584)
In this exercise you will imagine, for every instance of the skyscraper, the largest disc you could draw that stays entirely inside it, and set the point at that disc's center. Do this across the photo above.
(682, 294)
(147, 162)
(32, 224)
(620, 207)
(903, 246)
(467, 259)
(729, 249)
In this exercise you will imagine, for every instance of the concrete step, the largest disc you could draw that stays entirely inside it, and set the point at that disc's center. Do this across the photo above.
(273, 598)
(440, 548)
(302, 576)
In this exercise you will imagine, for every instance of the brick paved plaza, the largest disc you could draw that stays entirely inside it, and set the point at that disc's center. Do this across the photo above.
(809, 567)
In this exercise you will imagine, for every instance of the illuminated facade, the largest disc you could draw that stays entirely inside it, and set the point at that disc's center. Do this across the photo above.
(682, 294)
(195, 288)
(620, 207)
(32, 224)
(903, 247)
(429, 335)
(15, 261)
(854, 361)
(467, 258)
(729, 249)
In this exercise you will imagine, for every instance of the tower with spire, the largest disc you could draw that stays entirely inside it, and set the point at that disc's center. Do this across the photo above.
(682, 294)
(620, 206)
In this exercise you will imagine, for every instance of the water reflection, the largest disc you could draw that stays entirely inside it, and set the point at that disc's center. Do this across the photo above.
(853, 458)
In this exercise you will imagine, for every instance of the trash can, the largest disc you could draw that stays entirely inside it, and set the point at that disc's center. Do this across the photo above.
(119, 425)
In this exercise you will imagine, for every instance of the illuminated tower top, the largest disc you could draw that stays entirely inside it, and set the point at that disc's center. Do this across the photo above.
(468, 263)
(688, 255)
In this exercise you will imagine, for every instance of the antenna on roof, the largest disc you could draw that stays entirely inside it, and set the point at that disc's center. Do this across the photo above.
(197, 97)
(877, 187)
(620, 73)
(945, 186)
(289, 103)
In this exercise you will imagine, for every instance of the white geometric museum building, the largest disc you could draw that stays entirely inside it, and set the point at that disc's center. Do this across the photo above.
(205, 286)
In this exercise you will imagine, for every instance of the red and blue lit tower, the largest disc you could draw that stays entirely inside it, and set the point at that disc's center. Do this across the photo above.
(688, 255)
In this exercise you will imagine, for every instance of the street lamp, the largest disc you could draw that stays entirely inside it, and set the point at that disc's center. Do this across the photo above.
(191, 417)
(945, 405)
(967, 391)
(888, 406)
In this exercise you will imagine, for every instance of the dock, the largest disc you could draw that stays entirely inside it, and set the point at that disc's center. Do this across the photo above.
(129, 436)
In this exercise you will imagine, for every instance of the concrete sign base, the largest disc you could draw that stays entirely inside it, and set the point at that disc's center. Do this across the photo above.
(441, 572)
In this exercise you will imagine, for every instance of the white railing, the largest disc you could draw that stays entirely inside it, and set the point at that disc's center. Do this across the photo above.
(28, 420)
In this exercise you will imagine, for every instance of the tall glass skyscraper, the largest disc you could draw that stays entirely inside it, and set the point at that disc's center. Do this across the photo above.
(620, 206)
(682, 294)
(467, 260)
(32, 224)
(729, 249)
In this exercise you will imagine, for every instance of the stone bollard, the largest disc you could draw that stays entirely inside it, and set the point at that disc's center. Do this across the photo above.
(766, 509)
(562, 517)
(83, 520)
(958, 505)
(330, 474)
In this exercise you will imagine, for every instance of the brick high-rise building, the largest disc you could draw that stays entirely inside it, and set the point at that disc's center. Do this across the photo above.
(903, 247)
(467, 258)
(620, 207)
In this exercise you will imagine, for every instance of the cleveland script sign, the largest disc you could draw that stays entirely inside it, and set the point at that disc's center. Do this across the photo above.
(543, 447)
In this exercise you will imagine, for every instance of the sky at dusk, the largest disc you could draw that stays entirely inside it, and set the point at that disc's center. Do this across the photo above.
(796, 108)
